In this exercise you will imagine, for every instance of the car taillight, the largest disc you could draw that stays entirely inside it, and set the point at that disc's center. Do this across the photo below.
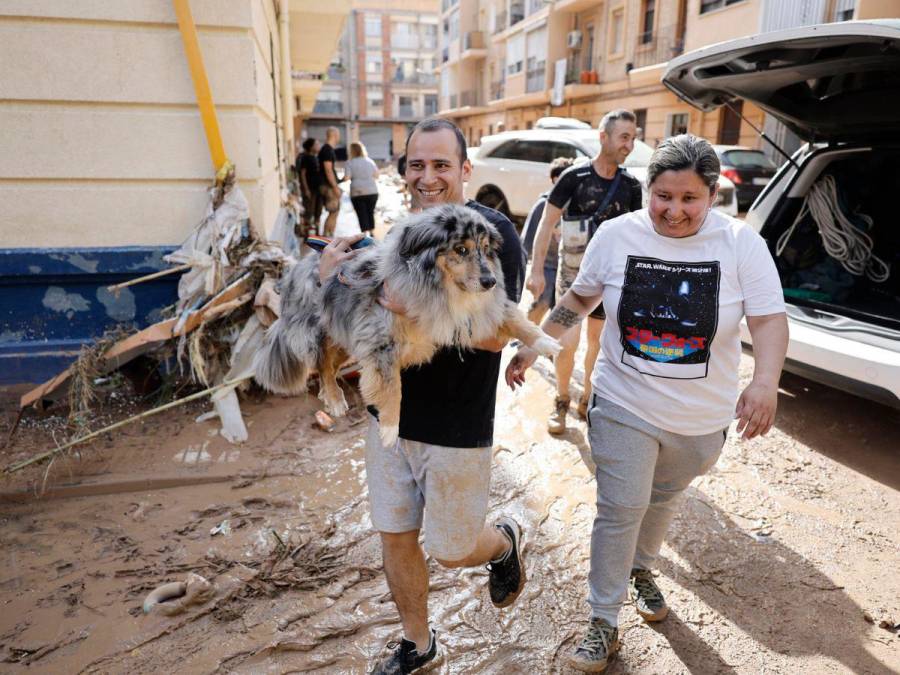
(732, 175)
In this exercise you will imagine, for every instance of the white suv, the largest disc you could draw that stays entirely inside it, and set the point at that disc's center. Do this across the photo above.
(510, 170)
(829, 215)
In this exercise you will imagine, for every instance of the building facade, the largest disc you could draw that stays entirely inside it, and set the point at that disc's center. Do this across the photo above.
(506, 63)
(382, 79)
(104, 164)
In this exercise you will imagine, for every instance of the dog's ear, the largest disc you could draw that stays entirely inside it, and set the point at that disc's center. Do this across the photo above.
(424, 232)
(494, 239)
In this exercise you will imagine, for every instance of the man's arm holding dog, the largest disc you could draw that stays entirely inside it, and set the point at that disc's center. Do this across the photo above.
(567, 314)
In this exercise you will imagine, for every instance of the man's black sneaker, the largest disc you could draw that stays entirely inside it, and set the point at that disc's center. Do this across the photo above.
(507, 578)
(405, 659)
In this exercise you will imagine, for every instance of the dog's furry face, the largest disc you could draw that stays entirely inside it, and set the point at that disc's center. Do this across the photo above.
(455, 244)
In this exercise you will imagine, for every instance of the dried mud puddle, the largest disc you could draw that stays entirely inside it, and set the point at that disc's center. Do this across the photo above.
(756, 569)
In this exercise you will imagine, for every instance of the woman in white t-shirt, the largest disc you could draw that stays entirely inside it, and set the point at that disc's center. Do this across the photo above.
(362, 172)
(676, 279)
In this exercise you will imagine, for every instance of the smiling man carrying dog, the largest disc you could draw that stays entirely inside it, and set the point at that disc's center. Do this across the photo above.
(439, 470)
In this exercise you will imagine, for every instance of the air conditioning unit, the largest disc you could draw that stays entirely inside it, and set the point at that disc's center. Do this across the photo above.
(574, 39)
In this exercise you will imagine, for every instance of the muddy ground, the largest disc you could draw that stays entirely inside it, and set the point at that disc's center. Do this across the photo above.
(783, 560)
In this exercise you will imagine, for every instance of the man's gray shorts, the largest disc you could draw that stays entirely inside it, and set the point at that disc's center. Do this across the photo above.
(447, 487)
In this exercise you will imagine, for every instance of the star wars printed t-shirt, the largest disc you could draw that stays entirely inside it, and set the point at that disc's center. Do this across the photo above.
(450, 400)
(671, 345)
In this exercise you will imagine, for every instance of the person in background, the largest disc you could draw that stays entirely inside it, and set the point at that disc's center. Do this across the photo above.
(548, 298)
(362, 172)
(677, 278)
(328, 182)
(307, 166)
(584, 197)
(404, 190)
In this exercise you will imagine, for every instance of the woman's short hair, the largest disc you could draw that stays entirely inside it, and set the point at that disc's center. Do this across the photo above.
(358, 150)
(685, 152)
(308, 144)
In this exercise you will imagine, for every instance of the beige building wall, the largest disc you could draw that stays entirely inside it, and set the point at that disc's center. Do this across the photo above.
(877, 9)
(102, 143)
(742, 18)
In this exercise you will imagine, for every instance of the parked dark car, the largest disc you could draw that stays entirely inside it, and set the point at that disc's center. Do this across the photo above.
(750, 171)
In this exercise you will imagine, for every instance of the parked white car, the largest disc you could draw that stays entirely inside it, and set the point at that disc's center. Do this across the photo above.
(829, 215)
(511, 169)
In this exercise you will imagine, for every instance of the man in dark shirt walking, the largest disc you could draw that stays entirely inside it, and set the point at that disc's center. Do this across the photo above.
(584, 196)
(307, 166)
(328, 182)
(439, 471)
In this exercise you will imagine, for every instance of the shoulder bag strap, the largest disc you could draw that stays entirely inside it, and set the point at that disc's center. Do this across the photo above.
(595, 222)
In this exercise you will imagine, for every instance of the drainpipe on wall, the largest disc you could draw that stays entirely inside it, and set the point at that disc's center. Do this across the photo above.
(287, 87)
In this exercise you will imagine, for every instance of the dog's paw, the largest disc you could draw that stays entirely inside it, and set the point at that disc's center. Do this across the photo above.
(389, 435)
(547, 346)
(336, 407)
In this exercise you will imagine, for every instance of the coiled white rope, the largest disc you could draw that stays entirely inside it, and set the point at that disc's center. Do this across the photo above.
(842, 240)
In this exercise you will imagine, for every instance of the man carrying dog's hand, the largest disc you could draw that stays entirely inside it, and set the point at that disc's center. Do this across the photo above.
(439, 470)
(585, 196)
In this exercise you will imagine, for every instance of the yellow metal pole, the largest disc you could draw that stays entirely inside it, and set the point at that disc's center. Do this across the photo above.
(201, 85)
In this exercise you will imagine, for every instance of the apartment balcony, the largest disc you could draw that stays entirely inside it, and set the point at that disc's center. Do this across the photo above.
(471, 99)
(406, 112)
(516, 12)
(573, 6)
(468, 102)
(500, 22)
(473, 46)
(329, 108)
(656, 48)
(411, 42)
(416, 80)
(536, 78)
(498, 90)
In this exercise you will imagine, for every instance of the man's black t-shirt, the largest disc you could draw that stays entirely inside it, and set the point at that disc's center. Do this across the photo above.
(450, 400)
(326, 154)
(581, 191)
(306, 161)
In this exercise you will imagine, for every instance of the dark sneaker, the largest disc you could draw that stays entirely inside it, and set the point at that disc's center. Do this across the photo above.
(507, 576)
(645, 594)
(405, 659)
(556, 425)
(597, 647)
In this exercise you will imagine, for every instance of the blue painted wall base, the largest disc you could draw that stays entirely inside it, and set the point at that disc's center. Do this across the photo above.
(52, 301)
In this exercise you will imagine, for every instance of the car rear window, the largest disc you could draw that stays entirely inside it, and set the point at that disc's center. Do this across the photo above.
(525, 151)
(748, 159)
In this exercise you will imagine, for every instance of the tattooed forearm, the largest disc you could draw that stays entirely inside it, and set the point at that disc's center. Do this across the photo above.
(564, 316)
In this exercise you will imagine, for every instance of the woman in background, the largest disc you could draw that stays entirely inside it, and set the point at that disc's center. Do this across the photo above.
(362, 172)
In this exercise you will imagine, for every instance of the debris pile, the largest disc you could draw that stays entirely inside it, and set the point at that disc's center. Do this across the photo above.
(226, 299)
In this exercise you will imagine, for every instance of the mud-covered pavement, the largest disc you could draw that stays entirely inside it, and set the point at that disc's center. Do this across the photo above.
(783, 559)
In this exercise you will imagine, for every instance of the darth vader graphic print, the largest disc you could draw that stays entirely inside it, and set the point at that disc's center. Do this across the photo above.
(668, 315)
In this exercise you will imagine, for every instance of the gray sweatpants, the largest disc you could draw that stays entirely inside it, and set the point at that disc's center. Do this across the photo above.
(641, 472)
